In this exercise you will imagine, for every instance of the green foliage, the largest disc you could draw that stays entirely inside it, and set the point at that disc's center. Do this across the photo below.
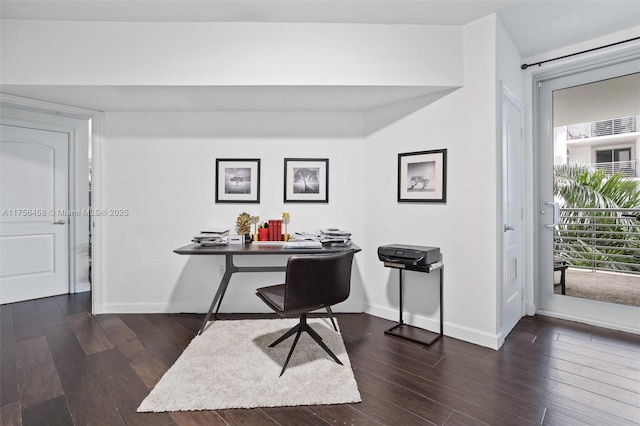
(582, 187)
(605, 239)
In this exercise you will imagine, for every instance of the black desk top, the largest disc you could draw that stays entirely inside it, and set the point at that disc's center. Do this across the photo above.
(259, 249)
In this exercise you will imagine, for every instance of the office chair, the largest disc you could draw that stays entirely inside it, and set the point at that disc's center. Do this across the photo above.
(312, 282)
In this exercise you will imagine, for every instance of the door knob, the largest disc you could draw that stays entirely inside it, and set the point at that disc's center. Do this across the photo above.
(509, 228)
(59, 222)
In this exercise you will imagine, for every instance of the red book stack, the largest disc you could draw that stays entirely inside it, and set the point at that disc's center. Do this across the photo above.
(275, 229)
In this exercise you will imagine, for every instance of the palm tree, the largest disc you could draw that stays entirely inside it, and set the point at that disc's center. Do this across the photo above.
(580, 186)
(600, 237)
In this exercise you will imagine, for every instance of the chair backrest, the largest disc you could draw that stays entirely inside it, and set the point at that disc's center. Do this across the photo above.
(317, 280)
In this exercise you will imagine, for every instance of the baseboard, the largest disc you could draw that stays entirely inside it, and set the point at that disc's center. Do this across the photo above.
(500, 340)
(451, 330)
(589, 321)
(83, 286)
(529, 309)
(197, 307)
(345, 307)
(466, 334)
(172, 308)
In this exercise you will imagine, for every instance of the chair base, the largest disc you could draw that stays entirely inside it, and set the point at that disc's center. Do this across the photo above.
(302, 326)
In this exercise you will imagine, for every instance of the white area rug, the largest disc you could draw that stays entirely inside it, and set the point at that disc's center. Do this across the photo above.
(232, 366)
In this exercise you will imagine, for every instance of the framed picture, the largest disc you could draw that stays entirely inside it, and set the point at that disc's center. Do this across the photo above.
(306, 180)
(422, 176)
(237, 180)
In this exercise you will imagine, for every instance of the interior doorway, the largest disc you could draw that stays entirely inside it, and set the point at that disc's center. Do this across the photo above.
(588, 206)
(68, 218)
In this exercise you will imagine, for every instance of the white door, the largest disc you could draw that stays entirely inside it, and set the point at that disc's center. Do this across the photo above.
(34, 192)
(584, 310)
(512, 213)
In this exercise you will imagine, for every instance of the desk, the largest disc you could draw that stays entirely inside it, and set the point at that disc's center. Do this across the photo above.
(256, 249)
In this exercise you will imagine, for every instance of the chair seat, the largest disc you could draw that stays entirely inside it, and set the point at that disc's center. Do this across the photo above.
(273, 296)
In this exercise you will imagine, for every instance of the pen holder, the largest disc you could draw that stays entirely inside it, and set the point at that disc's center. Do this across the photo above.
(263, 234)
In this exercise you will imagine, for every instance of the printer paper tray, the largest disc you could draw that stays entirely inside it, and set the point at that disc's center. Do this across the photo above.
(426, 268)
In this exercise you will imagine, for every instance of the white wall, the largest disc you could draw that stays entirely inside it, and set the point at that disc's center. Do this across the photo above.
(508, 63)
(161, 167)
(464, 228)
(580, 154)
(227, 54)
(509, 77)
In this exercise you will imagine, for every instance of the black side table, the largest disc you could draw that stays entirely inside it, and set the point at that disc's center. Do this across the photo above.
(561, 265)
(409, 332)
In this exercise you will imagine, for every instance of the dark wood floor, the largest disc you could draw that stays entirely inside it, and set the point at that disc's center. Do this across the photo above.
(60, 366)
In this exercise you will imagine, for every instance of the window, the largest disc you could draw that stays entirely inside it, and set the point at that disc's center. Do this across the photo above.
(615, 160)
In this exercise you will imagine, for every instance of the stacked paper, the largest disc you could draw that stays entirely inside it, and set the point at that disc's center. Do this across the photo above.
(335, 237)
(212, 237)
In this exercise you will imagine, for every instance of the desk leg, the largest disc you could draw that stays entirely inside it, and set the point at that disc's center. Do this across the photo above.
(222, 288)
(230, 268)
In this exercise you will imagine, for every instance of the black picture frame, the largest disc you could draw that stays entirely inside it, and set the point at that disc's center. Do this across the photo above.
(422, 177)
(237, 180)
(314, 188)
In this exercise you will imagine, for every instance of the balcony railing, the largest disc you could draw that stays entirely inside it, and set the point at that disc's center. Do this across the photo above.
(599, 239)
(615, 126)
(626, 168)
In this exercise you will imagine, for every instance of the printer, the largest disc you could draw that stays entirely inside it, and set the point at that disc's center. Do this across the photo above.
(410, 257)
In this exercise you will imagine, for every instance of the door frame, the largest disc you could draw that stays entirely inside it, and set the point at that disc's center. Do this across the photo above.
(84, 128)
(541, 129)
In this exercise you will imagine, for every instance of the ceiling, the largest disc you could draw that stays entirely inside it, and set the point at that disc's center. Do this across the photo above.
(603, 100)
(536, 26)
